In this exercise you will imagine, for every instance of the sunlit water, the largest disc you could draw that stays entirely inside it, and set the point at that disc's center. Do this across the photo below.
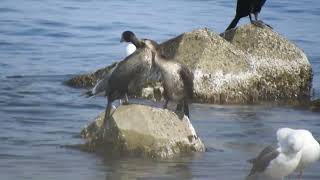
(43, 43)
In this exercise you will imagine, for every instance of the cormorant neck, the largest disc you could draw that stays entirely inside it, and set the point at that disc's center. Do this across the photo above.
(137, 42)
(158, 58)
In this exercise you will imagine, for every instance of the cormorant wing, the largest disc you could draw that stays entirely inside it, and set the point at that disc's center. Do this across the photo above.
(102, 85)
(134, 68)
(187, 78)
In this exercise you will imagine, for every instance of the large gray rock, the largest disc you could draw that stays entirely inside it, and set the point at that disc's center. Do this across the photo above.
(283, 70)
(143, 131)
(248, 65)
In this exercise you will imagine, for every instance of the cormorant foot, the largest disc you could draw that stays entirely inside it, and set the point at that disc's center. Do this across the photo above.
(259, 24)
(268, 26)
(165, 106)
(126, 103)
(105, 122)
(180, 114)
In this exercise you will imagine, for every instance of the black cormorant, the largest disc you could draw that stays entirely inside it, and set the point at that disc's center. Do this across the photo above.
(245, 8)
(128, 74)
(130, 37)
(176, 78)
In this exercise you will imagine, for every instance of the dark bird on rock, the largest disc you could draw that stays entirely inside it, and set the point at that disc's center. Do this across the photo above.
(130, 37)
(136, 43)
(129, 74)
(247, 8)
(176, 78)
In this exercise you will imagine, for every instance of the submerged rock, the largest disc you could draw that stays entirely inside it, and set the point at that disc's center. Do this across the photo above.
(249, 65)
(143, 131)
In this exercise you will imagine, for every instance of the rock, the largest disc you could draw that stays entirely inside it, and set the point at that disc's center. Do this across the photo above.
(88, 80)
(219, 68)
(315, 105)
(283, 69)
(141, 130)
(153, 91)
(266, 67)
(250, 65)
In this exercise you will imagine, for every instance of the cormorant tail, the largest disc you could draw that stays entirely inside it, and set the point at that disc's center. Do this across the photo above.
(88, 94)
(233, 23)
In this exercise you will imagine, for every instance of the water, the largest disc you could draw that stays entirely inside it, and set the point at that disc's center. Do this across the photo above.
(43, 43)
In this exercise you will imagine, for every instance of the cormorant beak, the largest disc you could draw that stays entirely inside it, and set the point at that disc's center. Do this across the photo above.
(121, 40)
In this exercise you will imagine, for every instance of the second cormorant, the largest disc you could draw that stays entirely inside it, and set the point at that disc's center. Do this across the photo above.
(129, 74)
(247, 8)
(176, 78)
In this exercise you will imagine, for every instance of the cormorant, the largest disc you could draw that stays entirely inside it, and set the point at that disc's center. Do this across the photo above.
(245, 8)
(176, 78)
(128, 74)
(103, 83)
(131, 38)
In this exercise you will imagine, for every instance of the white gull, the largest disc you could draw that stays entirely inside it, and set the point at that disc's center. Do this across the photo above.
(276, 163)
(310, 150)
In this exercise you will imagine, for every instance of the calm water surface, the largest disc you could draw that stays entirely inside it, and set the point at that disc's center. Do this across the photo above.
(43, 43)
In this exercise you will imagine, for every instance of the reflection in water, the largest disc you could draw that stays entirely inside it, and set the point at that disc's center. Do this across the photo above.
(137, 168)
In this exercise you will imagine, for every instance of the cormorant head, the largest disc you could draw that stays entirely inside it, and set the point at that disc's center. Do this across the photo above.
(127, 36)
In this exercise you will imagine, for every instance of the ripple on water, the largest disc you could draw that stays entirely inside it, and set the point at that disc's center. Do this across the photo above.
(51, 23)
(8, 10)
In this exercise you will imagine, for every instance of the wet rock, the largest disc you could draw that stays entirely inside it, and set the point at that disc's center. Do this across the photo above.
(246, 65)
(315, 105)
(143, 131)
